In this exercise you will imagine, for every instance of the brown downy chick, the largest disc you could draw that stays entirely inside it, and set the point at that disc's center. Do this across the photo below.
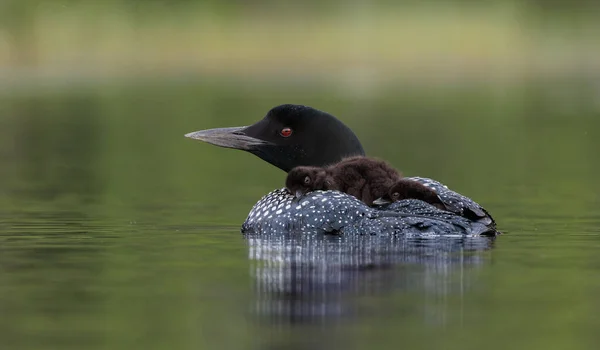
(362, 177)
(408, 189)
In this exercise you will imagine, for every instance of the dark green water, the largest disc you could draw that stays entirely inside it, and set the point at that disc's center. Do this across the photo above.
(116, 232)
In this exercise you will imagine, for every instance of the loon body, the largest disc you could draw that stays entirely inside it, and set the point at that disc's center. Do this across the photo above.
(292, 135)
(339, 213)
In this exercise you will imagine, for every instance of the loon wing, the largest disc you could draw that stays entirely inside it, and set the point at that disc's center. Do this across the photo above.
(456, 202)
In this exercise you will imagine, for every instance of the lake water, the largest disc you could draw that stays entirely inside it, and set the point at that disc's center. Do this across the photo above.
(116, 232)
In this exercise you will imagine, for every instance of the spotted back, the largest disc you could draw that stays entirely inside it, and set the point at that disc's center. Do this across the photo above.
(339, 213)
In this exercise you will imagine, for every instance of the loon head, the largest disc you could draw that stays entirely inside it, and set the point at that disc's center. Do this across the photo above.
(303, 179)
(289, 136)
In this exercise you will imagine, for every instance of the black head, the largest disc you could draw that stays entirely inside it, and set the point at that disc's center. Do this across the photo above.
(290, 136)
(303, 179)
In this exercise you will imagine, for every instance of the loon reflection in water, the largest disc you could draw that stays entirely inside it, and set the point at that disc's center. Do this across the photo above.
(309, 277)
(292, 135)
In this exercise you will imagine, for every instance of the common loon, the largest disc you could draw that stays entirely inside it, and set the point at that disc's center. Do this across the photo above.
(294, 135)
(365, 178)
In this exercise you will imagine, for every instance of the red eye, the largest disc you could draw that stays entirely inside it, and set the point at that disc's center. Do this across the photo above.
(286, 132)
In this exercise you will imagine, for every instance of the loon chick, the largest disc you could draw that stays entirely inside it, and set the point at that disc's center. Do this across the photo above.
(362, 177)
(293, 135)
(407, 189)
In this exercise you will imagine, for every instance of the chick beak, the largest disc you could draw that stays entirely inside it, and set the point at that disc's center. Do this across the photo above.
(381, 201)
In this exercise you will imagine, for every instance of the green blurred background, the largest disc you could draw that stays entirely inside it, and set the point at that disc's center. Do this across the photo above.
(117, 232)
(368, 41)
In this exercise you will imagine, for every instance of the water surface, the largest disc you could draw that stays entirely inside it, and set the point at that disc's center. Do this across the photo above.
(117, 232)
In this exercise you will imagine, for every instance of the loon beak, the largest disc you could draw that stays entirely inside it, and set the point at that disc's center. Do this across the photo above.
(299, 194)
(228, 138)
(381, 201)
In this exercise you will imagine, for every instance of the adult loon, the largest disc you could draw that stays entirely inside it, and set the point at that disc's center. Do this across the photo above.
(295, 135)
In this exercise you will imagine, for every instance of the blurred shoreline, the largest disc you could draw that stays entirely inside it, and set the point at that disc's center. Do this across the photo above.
(90, 44)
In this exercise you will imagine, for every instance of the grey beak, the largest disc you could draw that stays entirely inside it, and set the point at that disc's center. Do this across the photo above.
(299, 194)
(381, 201)
(227, 137)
